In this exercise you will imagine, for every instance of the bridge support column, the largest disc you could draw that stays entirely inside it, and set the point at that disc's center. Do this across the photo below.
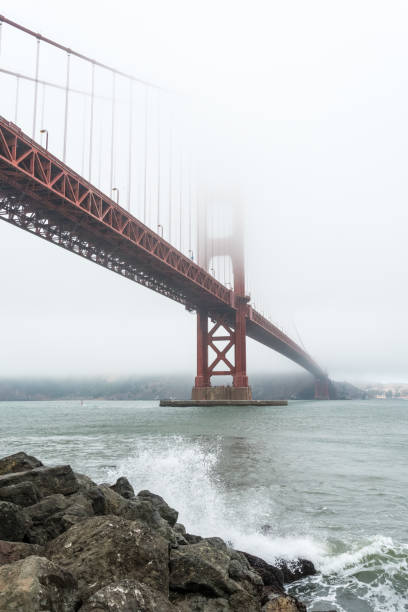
(202, 379)
(322, 389)
(225, 333)
(240, 378)
(221, 338)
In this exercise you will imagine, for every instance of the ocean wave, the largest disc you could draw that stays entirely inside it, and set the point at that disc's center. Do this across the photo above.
(368, 575)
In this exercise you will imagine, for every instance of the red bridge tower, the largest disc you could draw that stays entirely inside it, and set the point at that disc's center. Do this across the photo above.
(225, 336)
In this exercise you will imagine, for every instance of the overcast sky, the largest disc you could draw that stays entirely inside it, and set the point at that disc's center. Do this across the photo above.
(312, 97)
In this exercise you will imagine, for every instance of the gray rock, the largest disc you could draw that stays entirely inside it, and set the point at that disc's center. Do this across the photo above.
(22, 494)
(271, 575)
(55, 514)
(194, 602)
(78, 509)
(128, 596)
(36, 584)
(283, 603)
(105, 549)
(296, 570)
(47, 507)
(137, 509)
(241, 601)
(19, 462)
(84, 482)
(92, 491)
(42, 531)
(179, 532)
(213, 570)
(124, 488)
(14, 522)
(169, 514)
(14, 551)
(192, 539)
(48, 480)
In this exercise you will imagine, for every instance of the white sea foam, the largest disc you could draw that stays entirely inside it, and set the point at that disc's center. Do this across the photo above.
(184, 472)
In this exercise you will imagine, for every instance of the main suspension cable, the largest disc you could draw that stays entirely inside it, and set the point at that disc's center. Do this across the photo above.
(37, 65)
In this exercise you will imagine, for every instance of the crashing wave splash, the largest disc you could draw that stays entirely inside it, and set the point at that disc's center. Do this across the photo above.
(367, 576)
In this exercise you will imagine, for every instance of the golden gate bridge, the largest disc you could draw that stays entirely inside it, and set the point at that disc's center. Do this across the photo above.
(117, 178)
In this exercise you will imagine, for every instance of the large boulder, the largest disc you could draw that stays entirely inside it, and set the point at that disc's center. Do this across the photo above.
(240, 601)
(93, 492)
(210, 568)
(22, 494)
(55, 514)
(192, 539)
(19, 462)
(124, 488)
(48, 480)
(180, 532)
(14, 551)
(149, 508)
(138, 509)
(128, 596)
(283, 603)
(194, 602)
(105, 549)
(271, 575)
(169, 514)
(14, 522)
(296, 569)
(36, 584)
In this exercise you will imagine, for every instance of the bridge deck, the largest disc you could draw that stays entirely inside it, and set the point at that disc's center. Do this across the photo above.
(40, 194)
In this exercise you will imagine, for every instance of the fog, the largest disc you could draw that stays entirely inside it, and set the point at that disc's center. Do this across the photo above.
(307, 107)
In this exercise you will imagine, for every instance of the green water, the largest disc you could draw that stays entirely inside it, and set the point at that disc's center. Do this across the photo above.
(323, 480)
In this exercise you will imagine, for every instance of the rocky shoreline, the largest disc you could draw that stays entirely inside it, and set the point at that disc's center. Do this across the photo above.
(68, 544)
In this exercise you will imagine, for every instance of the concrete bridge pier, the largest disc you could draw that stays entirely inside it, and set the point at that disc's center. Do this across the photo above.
(322, 389)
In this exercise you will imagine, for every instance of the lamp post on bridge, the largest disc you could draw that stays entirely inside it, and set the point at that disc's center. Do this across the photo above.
(44, 131)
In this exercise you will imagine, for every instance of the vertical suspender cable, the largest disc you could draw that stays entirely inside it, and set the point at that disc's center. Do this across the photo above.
(42, 106)
(158, 159)
(83, 134)
(130, 141)
(100, 155)
(64, 152)
(145, 158)
(224, 241)
(112, 130)
(181, 198)
(91, 121)
(170, 175)
(37, 65)
(17, 96)
(197, 217)
(189, 211)
(213, 226)
(1, 34)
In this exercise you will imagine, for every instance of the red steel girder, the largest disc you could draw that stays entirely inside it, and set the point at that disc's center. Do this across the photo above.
(221, 322)
(42, 195)
(33, 171)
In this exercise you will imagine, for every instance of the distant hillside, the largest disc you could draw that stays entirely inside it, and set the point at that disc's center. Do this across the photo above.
(283, 386)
